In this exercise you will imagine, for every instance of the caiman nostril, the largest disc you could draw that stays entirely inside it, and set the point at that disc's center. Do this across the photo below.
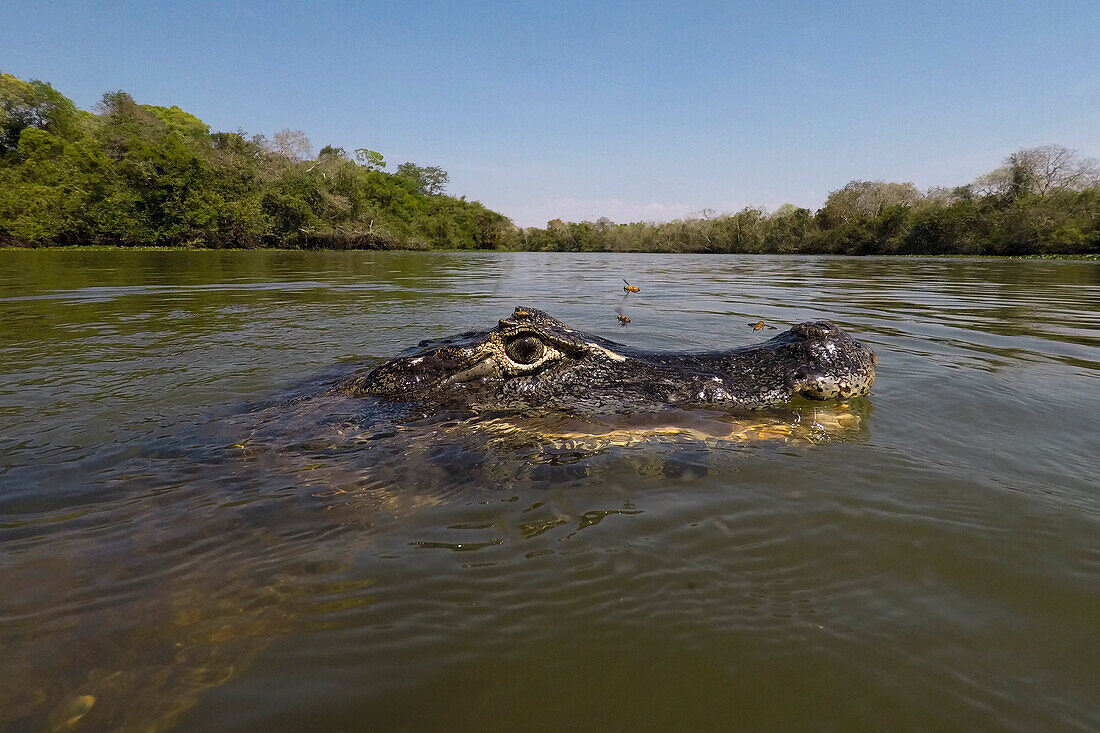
(796, 379)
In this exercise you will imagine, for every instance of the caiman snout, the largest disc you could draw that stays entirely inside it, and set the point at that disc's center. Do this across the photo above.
(834, 365)
(817, 330)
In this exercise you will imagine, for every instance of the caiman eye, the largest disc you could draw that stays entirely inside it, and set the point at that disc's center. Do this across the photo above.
(525, 349)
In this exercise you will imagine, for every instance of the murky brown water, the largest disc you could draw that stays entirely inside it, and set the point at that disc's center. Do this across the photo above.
(182, 546)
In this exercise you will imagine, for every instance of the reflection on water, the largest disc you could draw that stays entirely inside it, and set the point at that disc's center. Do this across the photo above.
(193, 537)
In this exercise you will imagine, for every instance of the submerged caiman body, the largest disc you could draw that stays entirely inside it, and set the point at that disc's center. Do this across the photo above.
(533, 361)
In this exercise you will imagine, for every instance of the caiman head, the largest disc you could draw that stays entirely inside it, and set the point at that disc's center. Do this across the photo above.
(531, 360)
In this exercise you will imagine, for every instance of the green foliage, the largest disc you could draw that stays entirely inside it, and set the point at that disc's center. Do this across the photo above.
(179, 121)
(141, 175)
(370, 159)
(145, 175)
(429, 180)
(1061, 222)
(1001, 213)
(35, 105)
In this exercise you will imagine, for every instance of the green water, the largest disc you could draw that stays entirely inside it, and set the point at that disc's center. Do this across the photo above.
(191, 537)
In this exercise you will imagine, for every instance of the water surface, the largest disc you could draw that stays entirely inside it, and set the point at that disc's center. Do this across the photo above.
(191, 540)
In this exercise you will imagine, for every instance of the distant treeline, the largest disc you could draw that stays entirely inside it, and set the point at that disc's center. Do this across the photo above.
(1043, 200)
(133, 174)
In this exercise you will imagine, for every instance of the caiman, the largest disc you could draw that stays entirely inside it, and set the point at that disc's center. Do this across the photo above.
(531, 360)
(535, 401)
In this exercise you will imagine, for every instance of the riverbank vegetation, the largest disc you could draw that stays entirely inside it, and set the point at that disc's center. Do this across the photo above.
(1041, 201)
(132, 174)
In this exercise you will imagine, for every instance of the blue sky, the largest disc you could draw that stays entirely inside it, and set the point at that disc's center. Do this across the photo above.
(634, 111)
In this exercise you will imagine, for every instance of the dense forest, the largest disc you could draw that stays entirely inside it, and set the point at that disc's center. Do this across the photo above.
(1033, 205)
(136, 174)
(133, 174)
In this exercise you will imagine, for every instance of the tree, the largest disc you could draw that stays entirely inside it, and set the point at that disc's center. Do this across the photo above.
(370, 159)
(429, 180)
(998, 182)
(179, 121)
(331, 151)
(1039, 171)
(864, 199)
(292, 144)
(33, 104)
(1050, 167)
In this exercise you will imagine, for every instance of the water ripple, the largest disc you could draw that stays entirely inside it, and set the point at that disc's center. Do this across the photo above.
(192, 548)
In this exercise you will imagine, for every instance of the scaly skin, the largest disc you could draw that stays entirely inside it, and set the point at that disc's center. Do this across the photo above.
(531, 360)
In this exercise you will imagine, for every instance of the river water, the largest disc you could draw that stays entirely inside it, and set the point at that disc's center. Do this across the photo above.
(189, 540)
